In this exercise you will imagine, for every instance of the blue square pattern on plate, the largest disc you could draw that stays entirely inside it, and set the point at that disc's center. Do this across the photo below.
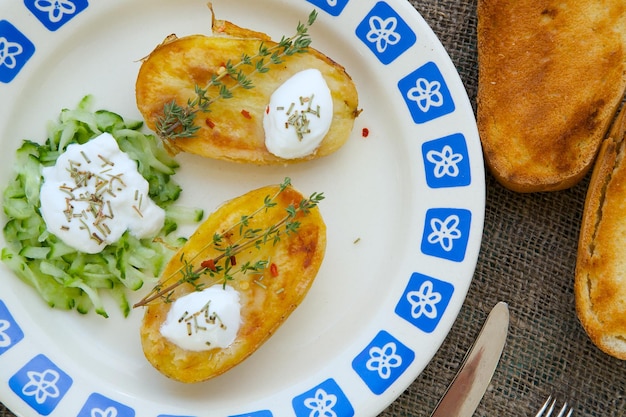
(424, 301)
(446, 162)
(15, 50)
(382, 362)
(385, 33)
(426, 93)
(98, 405)
(10, 332)
(170, 415)
(332, 7)
(446, 233)
(55, 13)
(262, 413)
(326, 399)
(41, 384)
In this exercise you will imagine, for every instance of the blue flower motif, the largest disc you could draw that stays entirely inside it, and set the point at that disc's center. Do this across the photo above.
(8, 52)
(56, 9)
(109, 412)
(324, 400)
(383, 32)
(426, 94)
(5, 339)
(97, 405)
(382, 360)
(332, 7)
(54, 14)
(445, 232)
(424, 301)
(42, 385)
(446, 162)
(321, 405)
(15, 50)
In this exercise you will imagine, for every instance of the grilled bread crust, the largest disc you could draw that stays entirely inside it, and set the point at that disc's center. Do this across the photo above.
(551, 77)
(600, 283)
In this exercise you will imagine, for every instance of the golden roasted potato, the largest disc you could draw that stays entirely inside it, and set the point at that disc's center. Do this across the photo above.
(233, 128)
(266, 299)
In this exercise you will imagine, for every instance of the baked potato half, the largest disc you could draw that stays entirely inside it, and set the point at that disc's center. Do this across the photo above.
(267, 296)
(232, 129)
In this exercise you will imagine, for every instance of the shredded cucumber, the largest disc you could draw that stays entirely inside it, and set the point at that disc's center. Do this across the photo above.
(64, 277)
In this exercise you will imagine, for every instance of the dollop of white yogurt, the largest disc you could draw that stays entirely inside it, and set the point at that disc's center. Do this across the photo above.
(204, 320)
(298, 115)
(94, 193)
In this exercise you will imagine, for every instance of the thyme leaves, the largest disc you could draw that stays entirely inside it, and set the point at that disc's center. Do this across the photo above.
(179, 121)
(235, 239)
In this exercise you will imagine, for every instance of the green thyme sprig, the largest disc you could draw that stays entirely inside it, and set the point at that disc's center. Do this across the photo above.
(224, 267)
(179, 121)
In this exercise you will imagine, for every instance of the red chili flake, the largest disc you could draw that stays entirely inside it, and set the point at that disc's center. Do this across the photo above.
(267, 110)
(233, 260)
(246, 114)
(274, 269)
(208, 264)
(365, 132)
(209, 123)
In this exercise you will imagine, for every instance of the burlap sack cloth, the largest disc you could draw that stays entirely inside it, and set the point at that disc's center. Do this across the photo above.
(527, 259)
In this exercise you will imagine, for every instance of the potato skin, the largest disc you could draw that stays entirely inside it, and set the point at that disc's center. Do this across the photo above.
(233, 129)
(297, 258)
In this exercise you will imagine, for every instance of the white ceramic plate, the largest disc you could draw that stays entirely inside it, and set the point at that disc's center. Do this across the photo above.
(404, 208)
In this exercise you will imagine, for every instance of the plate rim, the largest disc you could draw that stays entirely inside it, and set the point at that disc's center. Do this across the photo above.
(405, 9)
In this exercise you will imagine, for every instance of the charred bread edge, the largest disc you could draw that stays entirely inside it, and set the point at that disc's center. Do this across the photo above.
(609, 157)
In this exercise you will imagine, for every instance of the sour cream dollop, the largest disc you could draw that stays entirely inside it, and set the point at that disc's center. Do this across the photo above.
(298, 115)
(204, 320)
(94, 193)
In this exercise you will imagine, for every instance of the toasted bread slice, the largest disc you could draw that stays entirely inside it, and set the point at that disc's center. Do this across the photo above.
(233, 128)
(600, 284)
(551, 77)
(266, 300)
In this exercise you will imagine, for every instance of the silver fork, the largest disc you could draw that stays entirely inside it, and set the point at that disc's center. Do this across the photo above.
(548, 407)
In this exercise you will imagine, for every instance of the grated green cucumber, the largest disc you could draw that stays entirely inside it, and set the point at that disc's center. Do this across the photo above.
(64, 277)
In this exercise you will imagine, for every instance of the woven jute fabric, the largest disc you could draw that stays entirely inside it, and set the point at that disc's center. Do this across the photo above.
(527, 259)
